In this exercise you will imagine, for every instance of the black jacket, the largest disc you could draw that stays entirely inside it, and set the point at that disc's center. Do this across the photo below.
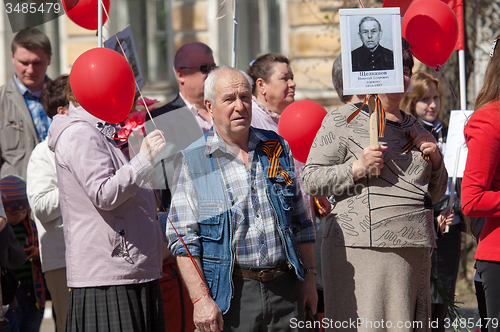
(380, 59)
(165, 195)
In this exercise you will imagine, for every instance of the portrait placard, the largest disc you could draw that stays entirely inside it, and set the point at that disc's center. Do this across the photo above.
(455, 154)
(128, 45)
(372, 60)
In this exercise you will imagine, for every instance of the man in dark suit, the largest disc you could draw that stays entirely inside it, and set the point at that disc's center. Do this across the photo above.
(371, 55)
(183, 121)
(192, 63)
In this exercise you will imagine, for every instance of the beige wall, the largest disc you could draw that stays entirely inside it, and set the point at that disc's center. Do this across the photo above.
(189, 22)
(314, 43)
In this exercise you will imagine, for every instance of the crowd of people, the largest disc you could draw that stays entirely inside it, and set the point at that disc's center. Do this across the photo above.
(212, 225)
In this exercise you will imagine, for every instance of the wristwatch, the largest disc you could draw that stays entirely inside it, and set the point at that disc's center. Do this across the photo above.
(310, 270)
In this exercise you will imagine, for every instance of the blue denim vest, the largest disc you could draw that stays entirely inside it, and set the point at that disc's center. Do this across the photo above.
(215, 223)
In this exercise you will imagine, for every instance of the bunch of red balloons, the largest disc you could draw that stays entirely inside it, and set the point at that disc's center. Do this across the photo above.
(431, 28)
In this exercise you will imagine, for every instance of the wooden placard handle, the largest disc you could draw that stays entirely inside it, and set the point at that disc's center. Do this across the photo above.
(372, 106)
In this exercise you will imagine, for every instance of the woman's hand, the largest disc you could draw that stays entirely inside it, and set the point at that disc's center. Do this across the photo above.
(3, 223)
(152, 145)
(372, 157)
(445, 218)
(322, 205)
(426, 143)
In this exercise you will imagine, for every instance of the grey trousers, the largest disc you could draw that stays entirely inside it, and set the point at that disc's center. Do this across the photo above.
(265, 306)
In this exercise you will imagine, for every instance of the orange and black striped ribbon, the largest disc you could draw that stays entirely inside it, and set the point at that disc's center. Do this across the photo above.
(272, 148)
(380, 114)
(410, 145)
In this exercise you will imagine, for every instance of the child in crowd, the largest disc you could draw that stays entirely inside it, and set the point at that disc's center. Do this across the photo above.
(31, 293)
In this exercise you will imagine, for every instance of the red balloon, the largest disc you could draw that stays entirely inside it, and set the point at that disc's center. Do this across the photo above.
(431, 28)
(103, 83)
(298, 124)
(84, 12)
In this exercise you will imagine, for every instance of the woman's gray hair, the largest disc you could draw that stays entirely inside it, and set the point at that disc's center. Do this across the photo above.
(211, 81)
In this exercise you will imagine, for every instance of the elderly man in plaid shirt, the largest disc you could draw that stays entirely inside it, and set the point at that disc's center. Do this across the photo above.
(23, 122)
(240, 216)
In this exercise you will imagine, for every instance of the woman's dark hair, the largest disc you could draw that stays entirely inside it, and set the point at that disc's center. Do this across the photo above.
(69, 94)
(53, 95)
(262, 67)
(407, 56)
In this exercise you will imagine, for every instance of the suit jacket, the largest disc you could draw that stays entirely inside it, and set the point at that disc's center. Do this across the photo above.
(173, 105)
(18, 135)
(380, 59)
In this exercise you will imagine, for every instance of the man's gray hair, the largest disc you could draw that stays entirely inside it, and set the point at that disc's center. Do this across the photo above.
(211, 81)
(369, 18)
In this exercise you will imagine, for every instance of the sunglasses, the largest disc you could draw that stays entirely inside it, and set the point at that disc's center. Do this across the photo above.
(205, 69)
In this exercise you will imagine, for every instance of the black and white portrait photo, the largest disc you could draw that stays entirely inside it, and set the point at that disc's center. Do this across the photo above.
(371, 55)
(371, 50)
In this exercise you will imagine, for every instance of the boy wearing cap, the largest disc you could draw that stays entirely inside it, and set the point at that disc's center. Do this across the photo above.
(31, 293)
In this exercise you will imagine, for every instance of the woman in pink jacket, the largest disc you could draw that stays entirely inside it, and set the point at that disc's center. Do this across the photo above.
(114, 245)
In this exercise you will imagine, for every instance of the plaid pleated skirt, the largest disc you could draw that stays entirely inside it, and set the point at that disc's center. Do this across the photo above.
(124, 308)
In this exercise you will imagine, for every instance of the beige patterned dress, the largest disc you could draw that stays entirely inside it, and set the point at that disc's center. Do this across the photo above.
(377, 240)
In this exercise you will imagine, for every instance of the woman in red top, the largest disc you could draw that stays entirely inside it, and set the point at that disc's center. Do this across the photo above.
(481, 182)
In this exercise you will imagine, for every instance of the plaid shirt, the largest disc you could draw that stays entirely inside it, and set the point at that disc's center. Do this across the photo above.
(241, 184)
(40, 118)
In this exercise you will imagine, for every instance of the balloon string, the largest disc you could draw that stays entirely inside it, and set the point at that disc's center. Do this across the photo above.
(361, 4)
(440, 71)
(154, 124)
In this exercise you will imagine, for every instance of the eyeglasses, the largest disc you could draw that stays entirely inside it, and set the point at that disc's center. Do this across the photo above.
(205, 69)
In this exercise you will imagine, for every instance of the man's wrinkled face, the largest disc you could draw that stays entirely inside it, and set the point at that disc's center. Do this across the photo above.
(232, 111)
(370, 34)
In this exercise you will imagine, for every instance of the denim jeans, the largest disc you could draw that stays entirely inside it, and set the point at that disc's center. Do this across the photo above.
(29, 317)
(9, 323)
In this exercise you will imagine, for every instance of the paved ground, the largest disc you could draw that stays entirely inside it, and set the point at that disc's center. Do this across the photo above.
(467, 313)
(48, 322)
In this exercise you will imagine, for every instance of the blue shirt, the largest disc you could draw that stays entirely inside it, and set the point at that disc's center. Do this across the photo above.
(33, 101)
